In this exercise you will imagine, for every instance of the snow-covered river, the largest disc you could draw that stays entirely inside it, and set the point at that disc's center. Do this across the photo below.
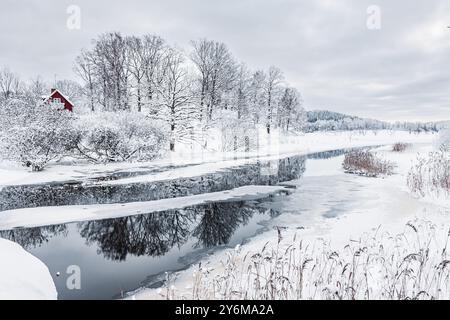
(119, 255)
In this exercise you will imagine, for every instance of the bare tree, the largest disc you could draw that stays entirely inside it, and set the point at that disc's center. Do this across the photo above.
(154, 50)
(36, 90)
(110, 61)
(85, 68)
(291, 113)
(217, 72)
(137, 64)
(256, 92)
(271, 87)
(71, 89)
(9, 83)
(242, 92)
(175, 97)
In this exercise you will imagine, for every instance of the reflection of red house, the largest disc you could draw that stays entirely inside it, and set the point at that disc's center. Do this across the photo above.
(57, 97)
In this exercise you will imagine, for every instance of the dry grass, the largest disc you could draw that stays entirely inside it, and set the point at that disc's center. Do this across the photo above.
(410, 265)
(430, 175)
(400, 147)
(367, 164)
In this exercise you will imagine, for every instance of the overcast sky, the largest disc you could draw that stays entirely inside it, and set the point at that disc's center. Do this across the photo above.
(324, 47)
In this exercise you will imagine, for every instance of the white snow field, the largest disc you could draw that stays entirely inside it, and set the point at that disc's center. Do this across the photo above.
(44, 216)
(22, 275)
(195, 163)
(333, 222)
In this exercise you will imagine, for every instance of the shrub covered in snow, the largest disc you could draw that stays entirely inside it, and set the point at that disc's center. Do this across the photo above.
(444, 140)
(400, 147)
(33, 134)
(236, 134)
(366, 163)
(119, 136)
(430, 175)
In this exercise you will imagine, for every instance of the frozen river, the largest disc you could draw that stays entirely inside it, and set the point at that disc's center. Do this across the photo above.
(119, 255)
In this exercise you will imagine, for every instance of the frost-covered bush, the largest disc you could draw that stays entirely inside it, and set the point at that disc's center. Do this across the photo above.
(34, 134)
(444, 140)
(366, 163)
(430, 175)
(236, 134)
(119, 136)
(400, 147)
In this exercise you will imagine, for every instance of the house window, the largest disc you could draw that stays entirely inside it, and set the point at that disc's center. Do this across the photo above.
(57, 100)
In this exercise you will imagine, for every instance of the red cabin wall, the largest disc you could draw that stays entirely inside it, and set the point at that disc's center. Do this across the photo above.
(67, 104)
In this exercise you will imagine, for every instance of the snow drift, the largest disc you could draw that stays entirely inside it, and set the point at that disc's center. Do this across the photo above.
(22, 275)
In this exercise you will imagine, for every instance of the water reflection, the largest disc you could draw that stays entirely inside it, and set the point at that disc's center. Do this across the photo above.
(218, 222)
(152, 234)
(76, 193)
(34, 237)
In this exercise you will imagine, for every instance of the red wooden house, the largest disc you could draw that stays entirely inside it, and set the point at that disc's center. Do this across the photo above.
(56, 97)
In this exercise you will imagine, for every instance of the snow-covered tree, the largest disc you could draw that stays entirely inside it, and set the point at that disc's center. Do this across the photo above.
(137, 63)
(291, 114)
(35, 134)
(154, 50)
(175, 98)
(271, 91)
(257, 96)
(216, 74)
(119, 136)
(109, 60)
(444, 139)
(10, 84)
(85, 68)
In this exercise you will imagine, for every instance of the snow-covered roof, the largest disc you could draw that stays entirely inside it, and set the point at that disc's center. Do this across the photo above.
(53, 92)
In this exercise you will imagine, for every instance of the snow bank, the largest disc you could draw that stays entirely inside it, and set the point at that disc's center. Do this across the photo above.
(211, 161)
(43, 216)
(22, 275)
(287, 146)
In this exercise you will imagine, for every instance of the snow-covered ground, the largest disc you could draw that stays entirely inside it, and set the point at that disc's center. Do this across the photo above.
(189, 162)
(23, 276)
(327, 203)
(333, 207)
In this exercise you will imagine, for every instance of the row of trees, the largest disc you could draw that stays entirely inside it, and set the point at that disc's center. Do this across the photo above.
(191, 92)
(14, 88)
(324, 120)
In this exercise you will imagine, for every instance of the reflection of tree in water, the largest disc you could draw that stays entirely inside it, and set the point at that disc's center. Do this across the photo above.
(220, 220)
(34, 237)
(153, 234)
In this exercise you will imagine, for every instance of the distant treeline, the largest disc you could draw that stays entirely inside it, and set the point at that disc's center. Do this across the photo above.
(324, 120)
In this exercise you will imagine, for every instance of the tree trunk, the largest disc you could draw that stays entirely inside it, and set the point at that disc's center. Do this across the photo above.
(139, 105)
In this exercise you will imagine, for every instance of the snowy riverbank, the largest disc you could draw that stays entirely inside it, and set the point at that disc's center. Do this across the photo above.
(332, 212)
(337, 211)
(187, 162)
(23, 276)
